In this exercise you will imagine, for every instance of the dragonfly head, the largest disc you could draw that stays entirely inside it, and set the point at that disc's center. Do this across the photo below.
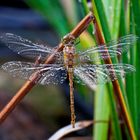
(68, 40)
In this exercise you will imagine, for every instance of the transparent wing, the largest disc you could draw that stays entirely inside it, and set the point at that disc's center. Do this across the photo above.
(53, 76)
(100, 74)
(49, 73)
(114, 48)
(25, 47)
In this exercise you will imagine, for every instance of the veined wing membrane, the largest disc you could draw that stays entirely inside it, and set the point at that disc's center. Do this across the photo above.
(49, 73)
(27, 48)
(114, 48)
(100, 74)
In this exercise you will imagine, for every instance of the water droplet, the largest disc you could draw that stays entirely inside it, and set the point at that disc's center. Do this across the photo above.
(94, 31)
(52, 74)
(61, 81)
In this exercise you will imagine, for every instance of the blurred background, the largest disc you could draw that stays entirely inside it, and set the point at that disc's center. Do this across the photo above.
(46, 108)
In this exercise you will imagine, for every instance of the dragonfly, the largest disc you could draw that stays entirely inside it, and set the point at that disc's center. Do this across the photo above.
(80, 67)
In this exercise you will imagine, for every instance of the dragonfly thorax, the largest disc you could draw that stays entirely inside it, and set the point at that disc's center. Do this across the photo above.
(69, 57)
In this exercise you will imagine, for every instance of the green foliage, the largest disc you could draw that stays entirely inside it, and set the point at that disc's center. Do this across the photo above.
(102, 112)
(120, 28)
(134, 27)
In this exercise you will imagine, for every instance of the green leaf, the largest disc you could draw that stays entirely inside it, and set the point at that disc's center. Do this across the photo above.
(103, 19)
(101, 111)
(136, 97)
